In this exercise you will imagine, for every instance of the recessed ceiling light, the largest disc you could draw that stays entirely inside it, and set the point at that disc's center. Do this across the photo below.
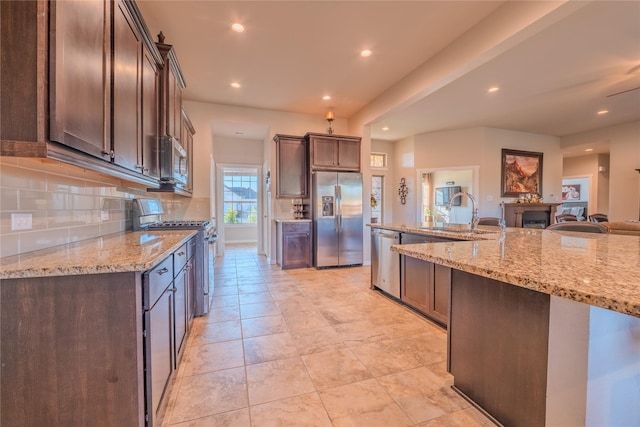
(386, 128)
(239, 133)
(603, 112)
(588, 149)
(365, 53)
(493, 89)
(237, 27)
(235, 85)
(326, 97)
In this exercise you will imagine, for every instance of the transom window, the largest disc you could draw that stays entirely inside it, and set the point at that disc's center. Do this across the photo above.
(378, 160)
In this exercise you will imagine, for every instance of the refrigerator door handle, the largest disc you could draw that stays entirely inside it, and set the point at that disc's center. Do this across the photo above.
(338, 208)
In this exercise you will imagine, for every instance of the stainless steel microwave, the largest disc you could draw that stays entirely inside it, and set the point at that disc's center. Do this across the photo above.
(173, 162)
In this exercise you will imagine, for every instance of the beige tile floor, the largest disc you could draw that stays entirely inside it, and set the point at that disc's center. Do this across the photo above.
(311, 347)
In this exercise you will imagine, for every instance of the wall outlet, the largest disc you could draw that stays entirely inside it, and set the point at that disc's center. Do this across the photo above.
(21, 221)
(104, 215)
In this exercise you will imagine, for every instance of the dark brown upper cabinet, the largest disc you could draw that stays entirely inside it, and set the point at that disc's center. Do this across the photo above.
(171, 85)
(292, 179)
(187, 141)
(80, 76)
(334, 152)
(80, 85)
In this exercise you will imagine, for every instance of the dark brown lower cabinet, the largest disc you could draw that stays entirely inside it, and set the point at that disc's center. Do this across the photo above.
(93, 350)
(425, 286)
(72, 351)
(294, 244)
(498, 347)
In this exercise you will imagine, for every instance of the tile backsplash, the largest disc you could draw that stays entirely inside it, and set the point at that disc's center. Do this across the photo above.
(68, 204)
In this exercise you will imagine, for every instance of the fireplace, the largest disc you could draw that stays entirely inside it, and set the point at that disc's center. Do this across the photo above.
(529, 215)
(535, 219)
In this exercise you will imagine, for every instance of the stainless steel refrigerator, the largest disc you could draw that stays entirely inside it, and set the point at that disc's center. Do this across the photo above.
(337, 219)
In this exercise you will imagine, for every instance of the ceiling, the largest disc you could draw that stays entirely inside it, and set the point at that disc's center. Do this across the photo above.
(293, 52)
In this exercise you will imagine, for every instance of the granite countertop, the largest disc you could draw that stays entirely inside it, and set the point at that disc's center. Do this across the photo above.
(452, 231)
(292, 220)
(113, 253)
(597, 269)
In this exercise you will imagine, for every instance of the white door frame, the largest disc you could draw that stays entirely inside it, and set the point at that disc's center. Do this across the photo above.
(220, 167)
(475, 172)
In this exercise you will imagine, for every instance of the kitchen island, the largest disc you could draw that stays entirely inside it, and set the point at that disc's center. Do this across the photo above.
(91, 332)
(544, 326)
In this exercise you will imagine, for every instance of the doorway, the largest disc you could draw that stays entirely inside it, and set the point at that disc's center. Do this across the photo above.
(239, 205)
(435, 183)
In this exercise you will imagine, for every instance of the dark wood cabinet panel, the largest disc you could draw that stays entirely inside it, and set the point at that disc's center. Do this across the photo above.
(171, 85)
(127, 86)
(294, 244)
(24, 79)
(80, 70)
(349, 154)
(150, 115)
(416, 275)
(504, 373)
(440, 293)
(334, 152)
(426, 286)
(292, 179)
(325, 153)
(72, 351)
(180, 313)
(187, 142)
(159, 352)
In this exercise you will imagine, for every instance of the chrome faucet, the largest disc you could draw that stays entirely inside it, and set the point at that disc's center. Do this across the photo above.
(475, 216)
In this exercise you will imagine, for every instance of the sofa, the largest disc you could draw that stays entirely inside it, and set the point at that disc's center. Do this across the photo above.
(577, 211)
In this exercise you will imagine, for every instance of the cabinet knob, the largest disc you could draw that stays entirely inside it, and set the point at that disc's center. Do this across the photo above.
(181, 253)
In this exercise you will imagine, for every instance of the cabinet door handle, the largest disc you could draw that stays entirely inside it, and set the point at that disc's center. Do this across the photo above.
(163, 270)
(180, 253)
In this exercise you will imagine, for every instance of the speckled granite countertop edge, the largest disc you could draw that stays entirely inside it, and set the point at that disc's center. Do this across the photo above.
(113, 253)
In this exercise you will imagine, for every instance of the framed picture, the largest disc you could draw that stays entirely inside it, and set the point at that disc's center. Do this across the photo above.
(571, 192)
(521, 173)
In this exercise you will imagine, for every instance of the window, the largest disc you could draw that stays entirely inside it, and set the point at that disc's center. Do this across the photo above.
(378, 160)
(240, 196)
(377, 186)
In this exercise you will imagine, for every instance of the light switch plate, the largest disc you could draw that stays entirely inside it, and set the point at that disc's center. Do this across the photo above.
(104, 215)
(21, 221)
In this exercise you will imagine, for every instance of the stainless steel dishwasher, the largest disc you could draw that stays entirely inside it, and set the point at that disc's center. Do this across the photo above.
(385, 264)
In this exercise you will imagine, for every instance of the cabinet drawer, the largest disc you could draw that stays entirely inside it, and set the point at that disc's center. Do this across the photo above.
(155, 281)
(296, 227)
(179, 259)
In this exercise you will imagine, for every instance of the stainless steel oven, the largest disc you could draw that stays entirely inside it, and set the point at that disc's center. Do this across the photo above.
(146, 215)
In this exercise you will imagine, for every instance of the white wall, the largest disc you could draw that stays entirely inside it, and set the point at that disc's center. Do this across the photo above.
(587, 166)
(479, 147)
(404, 167)
(624, 182)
